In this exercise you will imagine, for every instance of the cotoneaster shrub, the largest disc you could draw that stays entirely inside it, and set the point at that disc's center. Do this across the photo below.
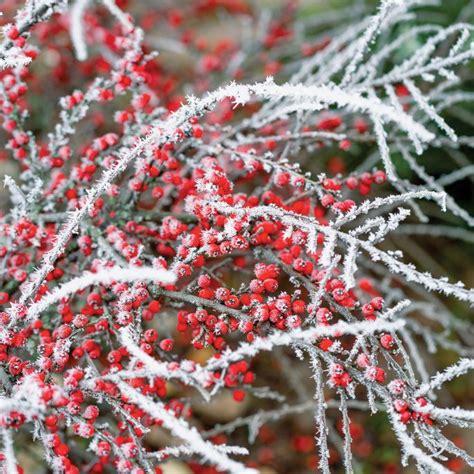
(200, 214)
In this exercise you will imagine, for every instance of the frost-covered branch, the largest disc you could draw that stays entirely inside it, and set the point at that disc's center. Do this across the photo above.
(452, 372)
(180, 429)
(102, 277)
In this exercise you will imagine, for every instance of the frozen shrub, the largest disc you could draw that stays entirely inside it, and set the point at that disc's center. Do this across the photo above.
(158, 251)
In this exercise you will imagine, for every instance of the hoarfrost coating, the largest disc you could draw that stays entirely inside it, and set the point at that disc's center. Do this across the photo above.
(210, 217)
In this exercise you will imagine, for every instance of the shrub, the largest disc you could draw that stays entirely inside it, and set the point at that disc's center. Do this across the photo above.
(162, 252)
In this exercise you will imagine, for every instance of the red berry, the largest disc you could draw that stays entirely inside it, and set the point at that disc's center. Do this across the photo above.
(238, 395)
(166, 345)
(4, 298)
(387, 341)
